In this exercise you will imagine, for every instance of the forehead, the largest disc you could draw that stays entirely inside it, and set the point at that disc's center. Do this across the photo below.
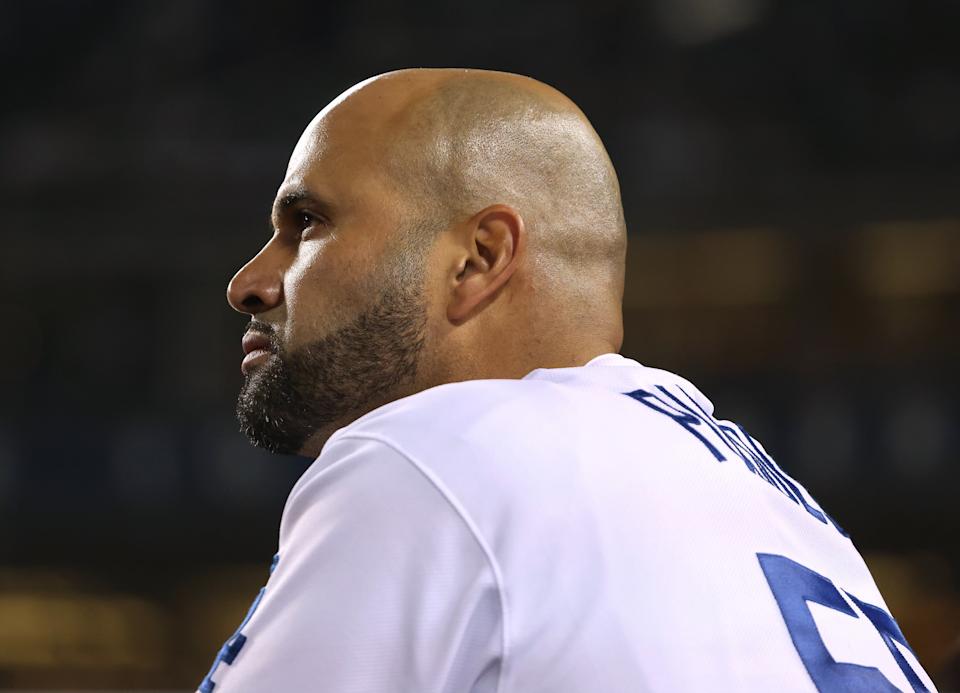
(339, 157)
(317, 135)
(328, 143)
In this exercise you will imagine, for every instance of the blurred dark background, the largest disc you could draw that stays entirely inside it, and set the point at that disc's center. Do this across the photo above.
(790, 173)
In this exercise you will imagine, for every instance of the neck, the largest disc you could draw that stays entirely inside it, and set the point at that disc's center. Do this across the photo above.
(570, 358)
(500, 367)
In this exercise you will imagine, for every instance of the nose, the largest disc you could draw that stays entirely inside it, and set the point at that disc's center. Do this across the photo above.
(258, 285)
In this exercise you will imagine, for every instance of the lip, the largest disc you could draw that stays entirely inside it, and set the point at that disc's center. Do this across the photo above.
(256, 348)
(255, 341)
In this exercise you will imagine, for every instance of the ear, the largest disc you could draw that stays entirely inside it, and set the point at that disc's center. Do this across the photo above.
(491, 242)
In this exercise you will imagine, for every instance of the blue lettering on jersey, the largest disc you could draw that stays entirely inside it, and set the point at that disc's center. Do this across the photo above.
(231, 648)
(723, 438)
(794, 586)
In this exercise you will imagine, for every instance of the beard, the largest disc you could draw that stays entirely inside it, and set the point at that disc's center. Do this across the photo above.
(297, 393)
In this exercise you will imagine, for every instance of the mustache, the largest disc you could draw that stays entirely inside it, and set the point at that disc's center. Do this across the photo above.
(264, 330)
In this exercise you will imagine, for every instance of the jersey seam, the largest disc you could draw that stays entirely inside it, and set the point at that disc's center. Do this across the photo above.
(471, 527)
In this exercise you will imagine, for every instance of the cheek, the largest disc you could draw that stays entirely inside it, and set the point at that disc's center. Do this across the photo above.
(319, 294)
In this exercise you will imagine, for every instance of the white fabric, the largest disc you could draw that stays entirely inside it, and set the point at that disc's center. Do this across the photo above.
(549, 534)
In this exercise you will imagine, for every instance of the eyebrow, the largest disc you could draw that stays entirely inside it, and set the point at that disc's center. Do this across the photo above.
(295, 197)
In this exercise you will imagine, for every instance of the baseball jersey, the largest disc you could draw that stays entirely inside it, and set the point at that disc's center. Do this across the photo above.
(580, 529)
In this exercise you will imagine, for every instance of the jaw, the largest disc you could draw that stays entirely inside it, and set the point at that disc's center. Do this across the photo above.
(314, 445)
(316, 441)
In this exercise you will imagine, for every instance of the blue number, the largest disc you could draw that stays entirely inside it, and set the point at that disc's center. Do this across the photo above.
(231, 648)
(890, 631)
(793, 585)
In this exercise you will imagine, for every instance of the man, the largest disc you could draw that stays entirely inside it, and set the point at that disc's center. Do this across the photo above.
(500, 502)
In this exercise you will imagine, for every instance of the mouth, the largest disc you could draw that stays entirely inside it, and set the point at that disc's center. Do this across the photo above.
(256, 348)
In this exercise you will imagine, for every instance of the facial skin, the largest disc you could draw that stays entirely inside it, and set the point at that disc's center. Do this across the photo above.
(416, 243)
(285, 400)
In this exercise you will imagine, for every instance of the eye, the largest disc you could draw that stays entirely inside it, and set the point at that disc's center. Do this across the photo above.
(307, 220)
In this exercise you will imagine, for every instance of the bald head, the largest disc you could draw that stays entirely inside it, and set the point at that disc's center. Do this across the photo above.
(477, 138)
(454, 141)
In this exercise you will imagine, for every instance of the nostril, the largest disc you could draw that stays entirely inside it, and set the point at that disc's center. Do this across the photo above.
(252, 302)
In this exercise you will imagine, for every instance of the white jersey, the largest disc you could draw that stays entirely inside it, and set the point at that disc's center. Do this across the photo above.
(579, 530)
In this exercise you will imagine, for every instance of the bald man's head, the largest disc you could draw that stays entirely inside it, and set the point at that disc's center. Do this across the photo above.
(433, 226)
(476, 138)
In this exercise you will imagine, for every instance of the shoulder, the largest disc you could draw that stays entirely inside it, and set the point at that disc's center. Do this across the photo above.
(355, 573)
(404, 446)
(498, 430)
(362, 487)
(510, 440)
(475, 413)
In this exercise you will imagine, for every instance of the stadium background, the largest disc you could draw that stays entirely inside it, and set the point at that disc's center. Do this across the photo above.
(790, 173)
